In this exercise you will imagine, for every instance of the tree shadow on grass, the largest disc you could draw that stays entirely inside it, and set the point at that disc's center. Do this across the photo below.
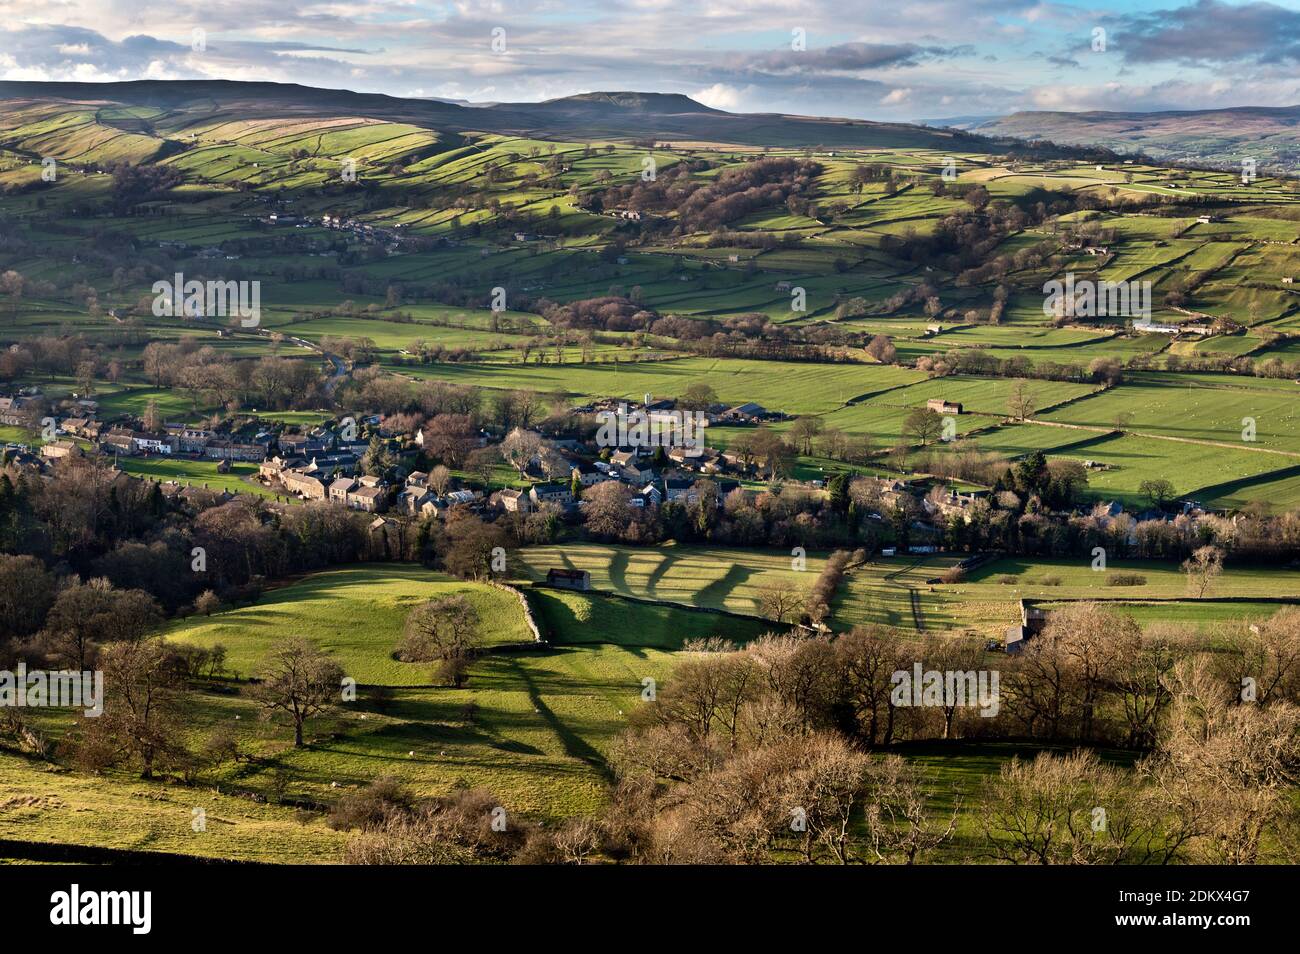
(716, 593)
(618, 571)
(574, 745)
(666, 562)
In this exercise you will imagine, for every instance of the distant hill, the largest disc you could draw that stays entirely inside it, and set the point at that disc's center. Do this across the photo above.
(614, 115)
(1214, 137)
(959, 122)
(653, 103)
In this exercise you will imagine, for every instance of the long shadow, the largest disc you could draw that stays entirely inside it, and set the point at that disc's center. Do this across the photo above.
(618, 570)
(1214, 491)
(715, 594)
(666, 563)
(574, 745)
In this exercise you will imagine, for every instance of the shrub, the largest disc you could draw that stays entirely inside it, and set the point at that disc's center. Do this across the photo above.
(1125, 579)
(207, 603)
(370, 808)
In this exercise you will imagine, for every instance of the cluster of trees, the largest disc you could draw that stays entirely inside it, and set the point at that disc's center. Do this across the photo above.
(724, 765)
(180, 553)
(789, 750)
(784, 517)
(134, 183)
(606, 313)
(1273, 366)
(56, 354)
(469, 826)
(978, 361)
(149, 725)
(703, 205)
(1056, 485)
(212, 377)
(1032, 511)
(962, 240)
(433, 352)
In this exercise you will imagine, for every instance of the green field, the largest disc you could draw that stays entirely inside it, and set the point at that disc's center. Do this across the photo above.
(779, 386)
(1191, 467)
(988, 599)
(117, 812)
(714, 578)
(531, 725)
(1195, 411)
(576, 619)
(196, 473)
(356, 613)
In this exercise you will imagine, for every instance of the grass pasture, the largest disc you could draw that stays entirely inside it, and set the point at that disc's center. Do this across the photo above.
(709, 577)
(988, 600)
(579, 619)
(71, 808)
(1194, 411)
(196, 473)
(355, 612)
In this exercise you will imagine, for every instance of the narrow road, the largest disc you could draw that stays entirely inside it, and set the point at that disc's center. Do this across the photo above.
(341, 367)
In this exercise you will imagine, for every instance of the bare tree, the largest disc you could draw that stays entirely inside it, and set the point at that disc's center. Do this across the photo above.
(1064, 810)
(698, 397)
(143, 709)
(520, 448)
(1021, 403)
(923, 424)
(1228, 770)
(439, 480)
(779, 601)
(445, 630)
(1202, 569)
(803, 431)
(866, 659)
(901, 825)
(301, 679)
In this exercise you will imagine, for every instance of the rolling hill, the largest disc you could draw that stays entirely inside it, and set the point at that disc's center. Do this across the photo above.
(1215, 137)
(625, 115)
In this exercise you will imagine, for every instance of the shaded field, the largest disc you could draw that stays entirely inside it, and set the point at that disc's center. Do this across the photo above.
(713, 577)
(571, 618)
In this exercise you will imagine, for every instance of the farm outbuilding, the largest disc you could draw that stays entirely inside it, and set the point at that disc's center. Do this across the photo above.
(569, 579)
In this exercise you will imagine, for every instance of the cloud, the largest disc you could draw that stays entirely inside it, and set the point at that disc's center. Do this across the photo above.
(1176, 94)
(904, 60)
(848, 58)
(721, 96)
(1064, 61)
(1210, 31)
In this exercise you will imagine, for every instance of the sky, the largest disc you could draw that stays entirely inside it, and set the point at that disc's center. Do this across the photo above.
(870, 59)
